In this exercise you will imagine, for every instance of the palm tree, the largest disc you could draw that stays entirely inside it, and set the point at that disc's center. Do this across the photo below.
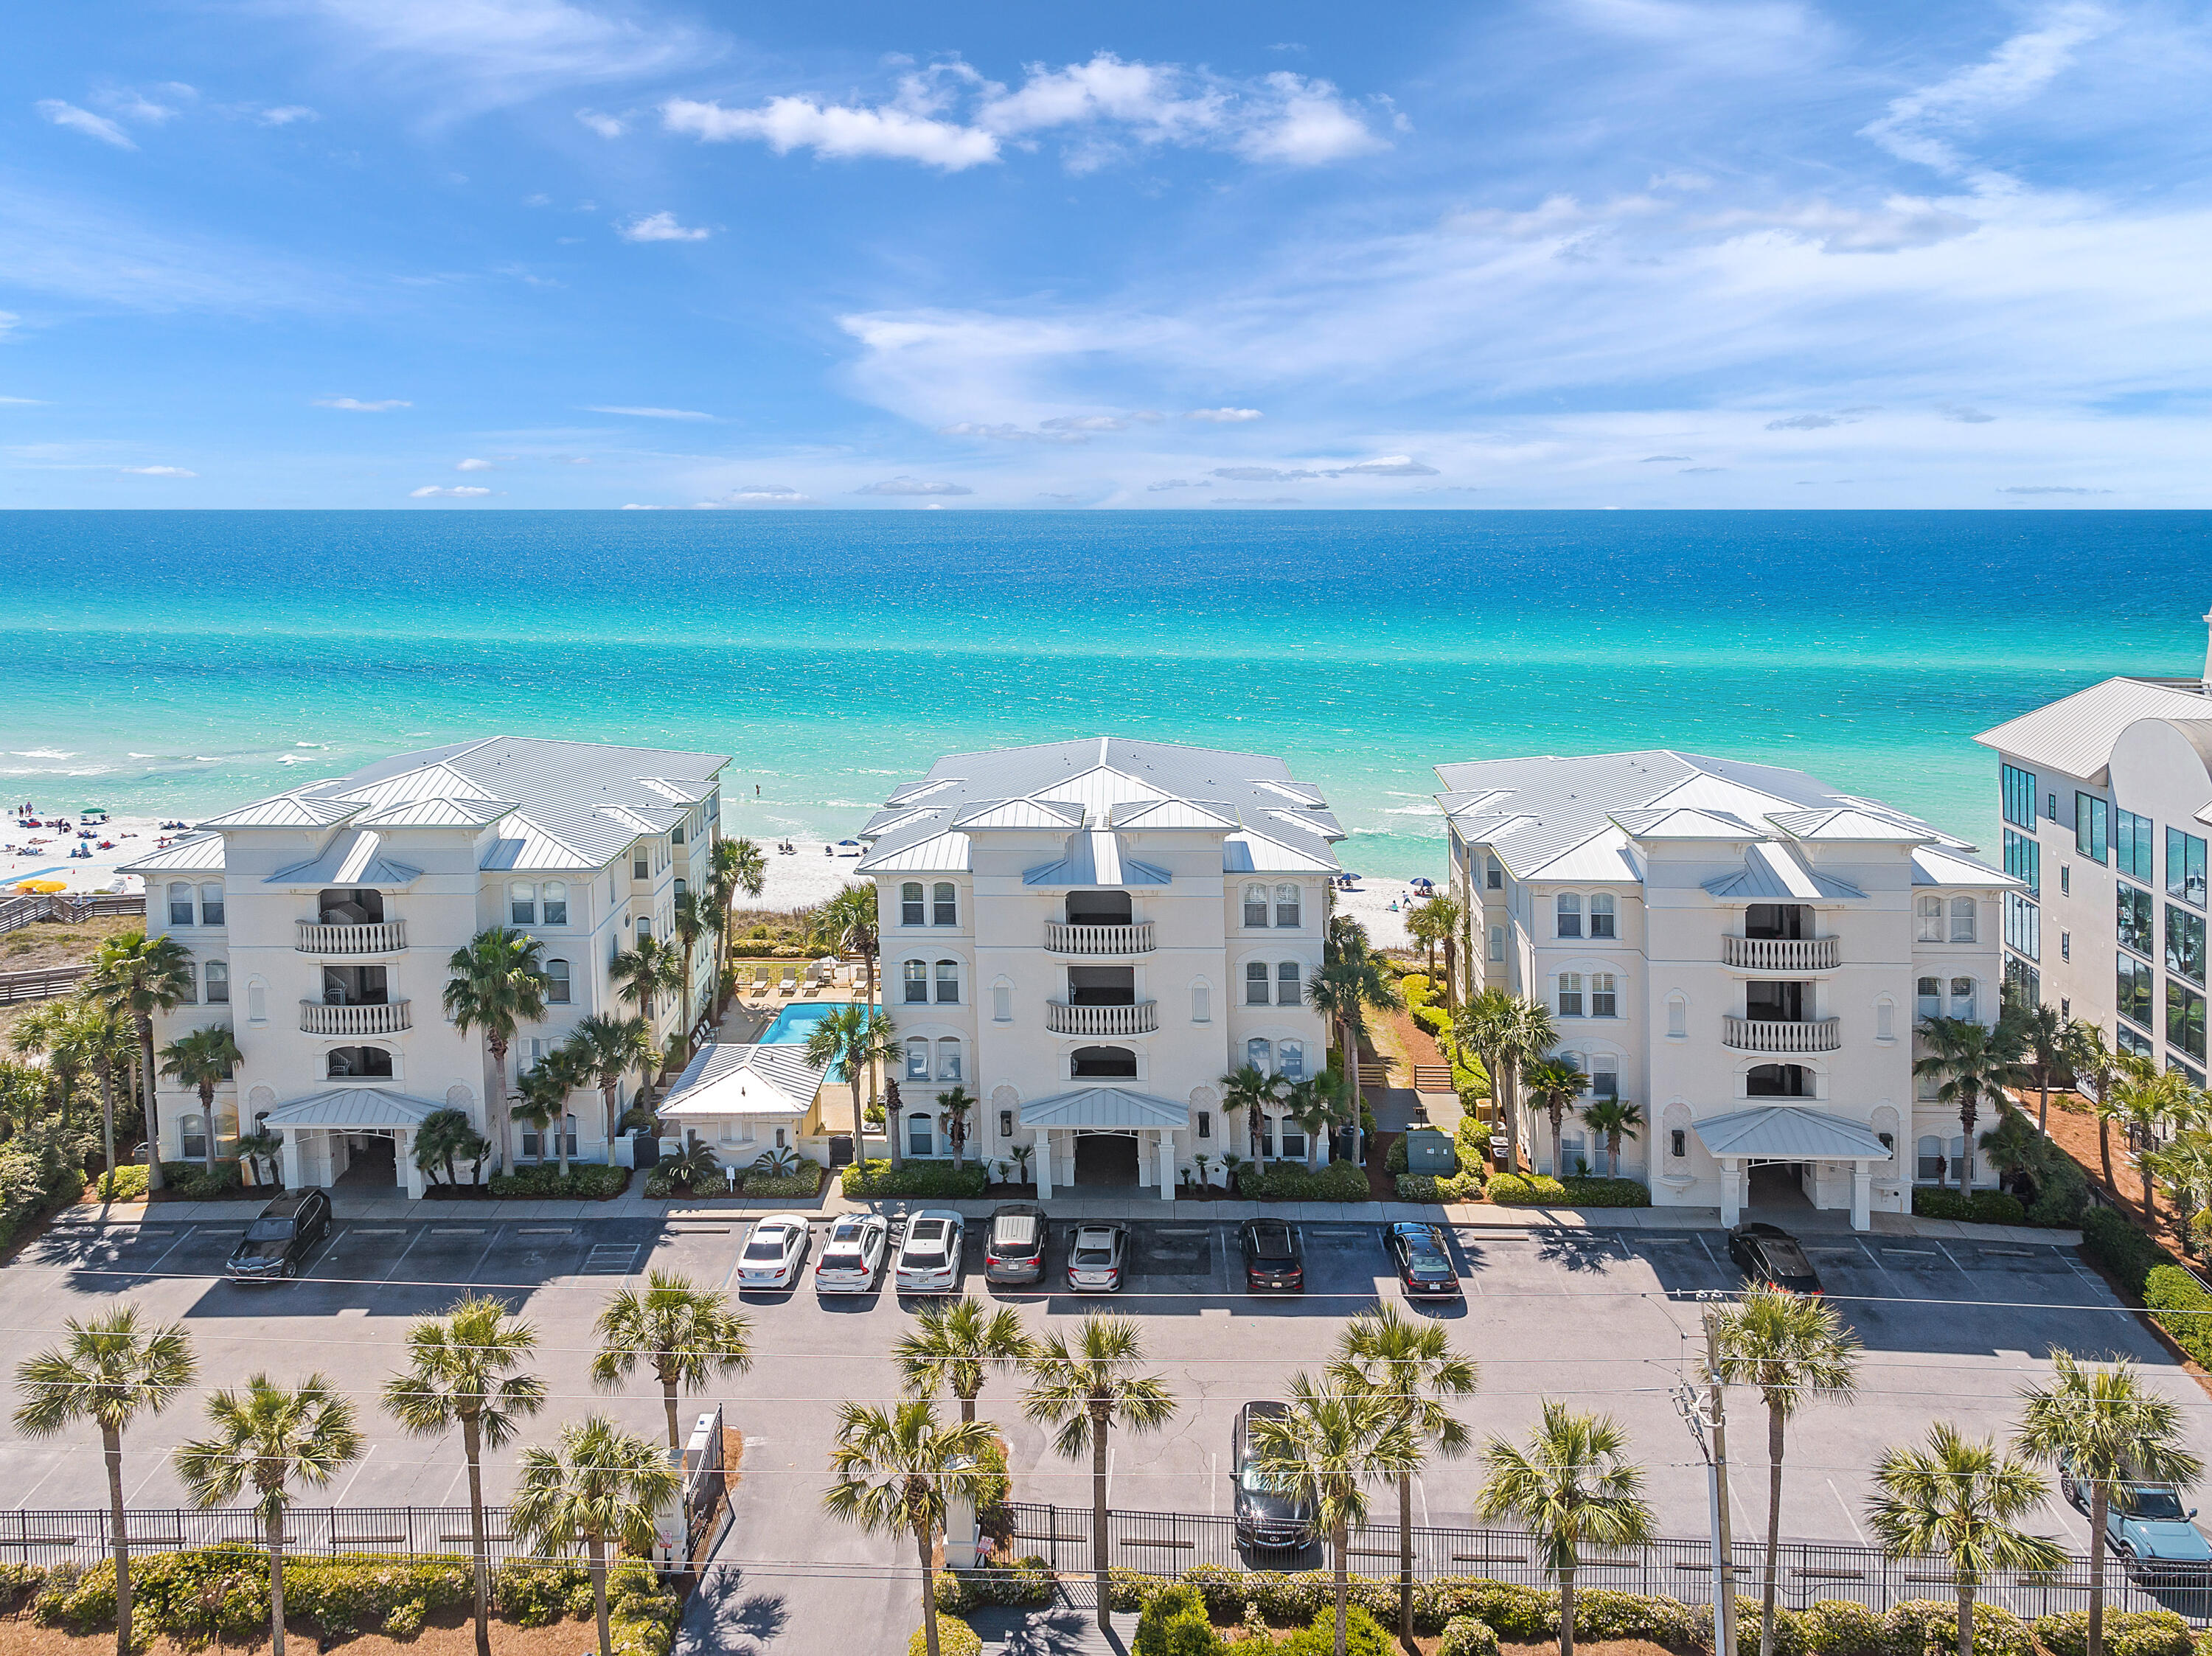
(1797, 1350)
(2044, 1041)
(897, 1470)
(600, 1484)
(1572, 1488)
(460, 1374)
(1554, 1083)
(1316, 1102)
(848, 922)
(2183, 1166)
(1959, 1500)
(1250, 1089)
(1321, 1450)
(497, 985)
(695, 917)
(1086, 1386)
(2146, 1097)
(203, 1060)
(955, 1102)
(1344, 989)
(609, 1047)
(739, 866)
(268, 1437)
(1432, 924)
(685, 1333)
(107, 1371)
(544, 1089)
(1614, 1120)
(133, 977)
(444, 1136)
(1506, 1032)
(108, 1045)
(46, 1031)
(955, 1346)
(2097, 1071)
(850, 1039)
(1411, 1366)
(644, 972)
(2102, 1426)
(1972, 1062)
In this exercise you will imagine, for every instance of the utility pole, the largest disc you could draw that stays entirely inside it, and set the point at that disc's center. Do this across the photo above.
(1702, 1414)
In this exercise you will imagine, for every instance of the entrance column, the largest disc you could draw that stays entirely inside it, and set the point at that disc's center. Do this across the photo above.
(1861, 1196)
(1167, 1166)
(402, 1147)
(1731, 1192)
(1043, 1159)
(1144, 1172)
(289, 1169)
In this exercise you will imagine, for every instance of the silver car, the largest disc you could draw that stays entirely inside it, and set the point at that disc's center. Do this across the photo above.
(852, 1254)
(1096, 1257)
(929, 1254)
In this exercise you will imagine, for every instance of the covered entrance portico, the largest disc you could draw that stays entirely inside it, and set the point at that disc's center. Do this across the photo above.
(1063, 1118)
(320, 1132)
(1792, 1134)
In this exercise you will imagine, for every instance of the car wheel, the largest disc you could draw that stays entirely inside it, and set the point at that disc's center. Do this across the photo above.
(291, 1268)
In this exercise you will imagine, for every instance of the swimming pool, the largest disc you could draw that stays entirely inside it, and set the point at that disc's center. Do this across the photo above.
(795, 1024)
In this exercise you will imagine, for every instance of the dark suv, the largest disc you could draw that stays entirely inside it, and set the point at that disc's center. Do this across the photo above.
(1274, 1263)
(1266, 1518)
(1014, 1252)
(276, 1243)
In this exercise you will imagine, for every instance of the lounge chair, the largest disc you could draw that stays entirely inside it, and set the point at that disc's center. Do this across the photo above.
(790, 983)
(814, 984)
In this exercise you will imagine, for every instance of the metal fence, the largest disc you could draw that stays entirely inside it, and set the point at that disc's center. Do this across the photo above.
(81, 1537)
(1167, 1543)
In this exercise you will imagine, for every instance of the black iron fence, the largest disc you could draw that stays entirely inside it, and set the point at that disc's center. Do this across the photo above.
(1167, 1543)
(81, 1537)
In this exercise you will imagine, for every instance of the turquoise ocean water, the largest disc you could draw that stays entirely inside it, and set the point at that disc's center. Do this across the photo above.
(172, 663)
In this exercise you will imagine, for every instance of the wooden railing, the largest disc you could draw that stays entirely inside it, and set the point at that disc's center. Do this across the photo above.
(69, 908)
(41, 985)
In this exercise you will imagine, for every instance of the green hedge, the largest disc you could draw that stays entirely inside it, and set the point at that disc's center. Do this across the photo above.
(2118, 1243)
(1434, 1019)
(1517, 1190)
(880, 1178)
(1026, 1582)
(804, 1182)
(1981, 1207)
(121, 1183)
(1290, 1181)
(1465, 1637)
(224, 1591)
(39, 1171)
(2127, 1633)
(1429, 1187)
(2179, 1304)
(1176, 1623)
(954, 1638)
(586, 1181)
(17, 1579)
(191, 1181)
(1363, 1635)
(642, 1609)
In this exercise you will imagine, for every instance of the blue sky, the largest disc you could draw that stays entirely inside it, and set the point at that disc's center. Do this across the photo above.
(469, 254)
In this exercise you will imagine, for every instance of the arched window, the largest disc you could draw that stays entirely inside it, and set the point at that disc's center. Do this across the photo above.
(944, 904)
(1293, 1054)
(1260, 1055)
(556, 983)
(1962, 998)
(911, 905)
(920, 1140)
(915, 975)
(351, 1062)
(556, 903)
(1255, 906)
(1570, 914)
(917, 1059)
(180, 904)
(1256, 983)
(1776, 1080)
(680, 888)
(1677, 1016)
(257, 1001)
(1104, 1064)
(1571, 994)
(1600, 914)
(1288, 985)
(1605, 995)
(948, 983)
(644, 927)
(218, 984)
(192, 1135)
(1930, 927)
(1286, 905)
(1604, 1070)
(521, 903)
(1929, 994)
(1930, 1166)
(211, 905)
(1962, 920)
(948, 1058)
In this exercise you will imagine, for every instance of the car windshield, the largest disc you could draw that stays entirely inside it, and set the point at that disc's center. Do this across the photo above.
(2151, 1503)
(1255, 1480)
(270, 1231)
(1273, 1243)
(1785, 1259)
(765, 1246)
(1015, 1236)
(924, 1258)
(1094, 1256)
(849, 1233)
(841, 1258)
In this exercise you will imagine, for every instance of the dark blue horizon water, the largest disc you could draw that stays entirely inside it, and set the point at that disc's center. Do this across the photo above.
(169, 662)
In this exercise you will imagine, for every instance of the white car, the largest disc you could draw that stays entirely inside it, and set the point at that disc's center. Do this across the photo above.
(773, 1253)
(852, 1254)
(929, 1256)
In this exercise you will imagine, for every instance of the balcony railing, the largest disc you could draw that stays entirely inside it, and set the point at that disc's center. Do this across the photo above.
(1098, 940)
(1783, 954)
(320, 1018)
(1758, 1035)
(1141, 1019)
(385, 938)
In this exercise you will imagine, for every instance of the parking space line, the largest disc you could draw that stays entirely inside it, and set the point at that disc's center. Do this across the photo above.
(404, 1252)
(1947, 1254)
(1708, 1247)
(171, 1248)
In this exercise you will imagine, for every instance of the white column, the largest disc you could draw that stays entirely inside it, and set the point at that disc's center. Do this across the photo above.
(290, 1158)
(1167, 1166)
(1861, 1196)
(405, 1146)
(1731, 1192)
(1043, 1160)
(1143, 1169)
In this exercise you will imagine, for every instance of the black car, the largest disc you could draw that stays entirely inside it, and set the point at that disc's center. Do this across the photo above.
(1014, 1252)
(1265, 1518)
(1770, 1257)
(1423, 1260)
(278, 1243)
(1274, 1258)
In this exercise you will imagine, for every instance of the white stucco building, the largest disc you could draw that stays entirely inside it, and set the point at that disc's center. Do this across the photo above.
(1088, 936)
(1741, 950)
(2107, 799)
(320, 922)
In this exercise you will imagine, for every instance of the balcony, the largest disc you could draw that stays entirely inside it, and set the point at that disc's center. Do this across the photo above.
(385, 938)
(1785, 956)
(1758, 1035)
(351, 1018)
(1141, 1019)
(1098, 942)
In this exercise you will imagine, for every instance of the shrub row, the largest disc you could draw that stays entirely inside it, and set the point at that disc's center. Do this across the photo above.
(1289, 1181)
(954, 1638)
(1434, 1019)
(642, 1608)
(586, 1181)
(191, 1181)
(2179, 1304)
(880, 1178)
(805, 1181)
(1431, 1187)
(1026, 1582)
(38, 1173)
(121, 1183)
(1541, 1190)
(2127, 1633)
(2118, 1243)
(1981, 1207)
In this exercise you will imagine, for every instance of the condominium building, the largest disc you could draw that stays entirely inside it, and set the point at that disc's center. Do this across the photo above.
(320, 922)
(1087, 935)
(2107, 799)
(1741, 951)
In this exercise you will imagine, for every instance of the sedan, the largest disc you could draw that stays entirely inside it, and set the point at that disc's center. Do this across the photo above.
(1266, 1517)
(1423, 1260)
(2149, 1528)
(773, 1253)
(276, 1243)
(1770, 1258)
(852, 1254)
(929, 1255)
(1275, 1257)
(1096, 1259)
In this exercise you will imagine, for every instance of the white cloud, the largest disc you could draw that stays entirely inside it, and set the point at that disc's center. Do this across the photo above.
(130, 106)
(1224, 416)
(838, 131)
(1310, 126)
(1915, 126)
(286, 115)
(659, 227)
(767, 494)
(473, 465)
(84, 121)
(355, 406)
(607, 126)
(649, 414)
(435, 492)
(911, 486)
(1390, 465)
(158, 471)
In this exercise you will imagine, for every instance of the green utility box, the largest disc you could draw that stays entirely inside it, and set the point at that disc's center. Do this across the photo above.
(1429, 1151)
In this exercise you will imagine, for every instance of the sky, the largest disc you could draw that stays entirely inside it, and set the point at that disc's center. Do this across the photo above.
(439, 255)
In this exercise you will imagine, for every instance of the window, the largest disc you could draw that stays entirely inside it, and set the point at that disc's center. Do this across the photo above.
(1256, 983)
(1260, 1055)
(1930, 1166)
(1571, 994)
(1202, 1004)
(1002, 1003)
(681, 888)
(1928, 994)
(2050, 806)
(948, 983)
(1497, 943)
(1962, 998)
(1601, 915)
(2019, 786)
(2023, 982)
(1962, 920)
(944, 904)
(2093, 827)
(1925, 1087)
(2133, 922)
(2184, 1019)
(2023, 926)
(1930, 912)
(180, 904)
(218, 984)
(2184, 943)
(1677, 1016)
(1256, 905)
(918, 1139)
(2185, 867)
(910, 909)
(640, 863)
(1206, 1124)
(2132, 991)
(556, 983)
(948, 1058)
(2065, 880)
(556, 903)
(1604, 1076)
(917, 1059)
(1678, 1143)
(1294, 1142)
(1293, 1057)
(675, 833)
(2023, 860)
(915, 975)
(1494, 878)
(1605, 1002)
(191, 1134)
(1290, 990)
(2131, 845)
(521, 903)
(211, 904)
(1570, 914)
(1288, 906)
(2066, 945)
(2129, 1041)
(644, 927)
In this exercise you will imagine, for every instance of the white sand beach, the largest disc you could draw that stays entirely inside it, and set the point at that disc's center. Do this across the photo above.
(43, 853)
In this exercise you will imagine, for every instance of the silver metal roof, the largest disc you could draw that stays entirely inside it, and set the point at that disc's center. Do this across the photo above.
(1095, 858)
(352, 1107)
(202, 853)
(726, 1079)
(1105, 1107)
(1790, 1132)
(1770, 874)
(353, 857)
(2074, 734)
